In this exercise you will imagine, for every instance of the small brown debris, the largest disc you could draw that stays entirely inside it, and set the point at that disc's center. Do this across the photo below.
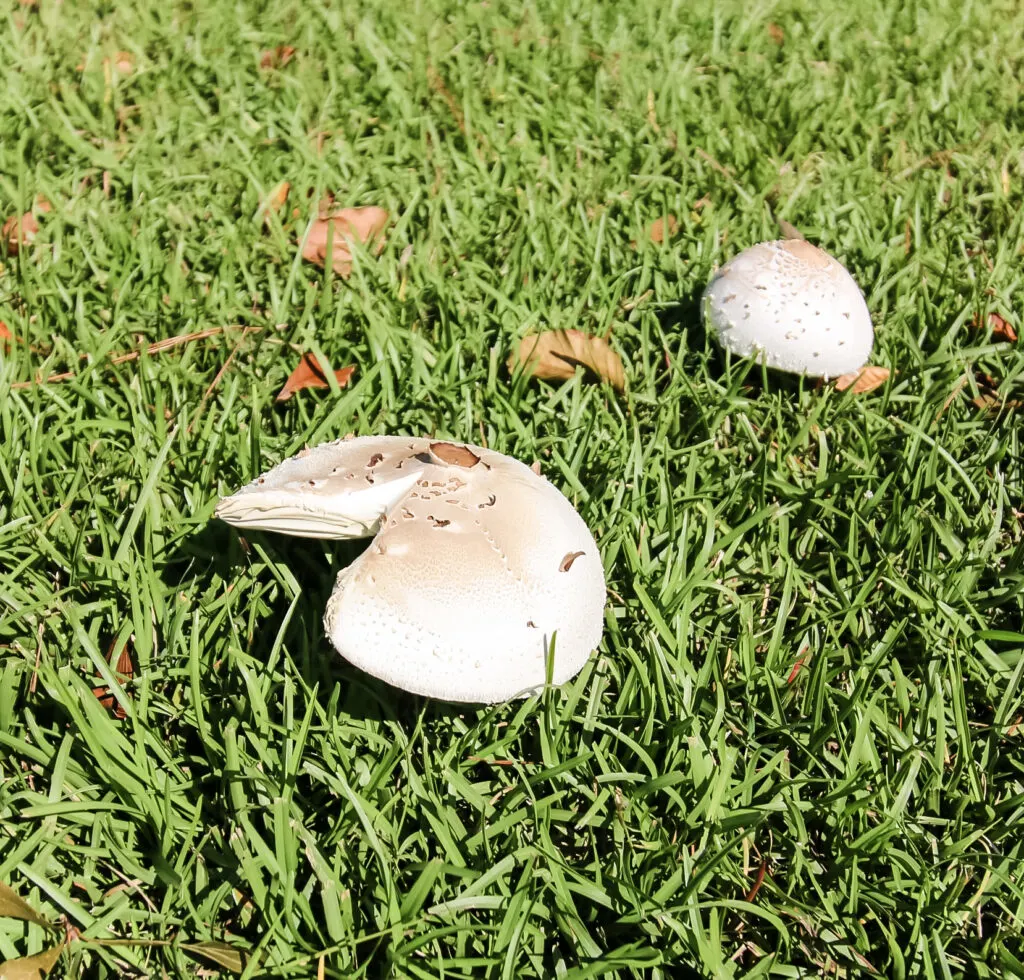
(866, 379)
(375, 459)
(535, 466)
(276, 57)
(275, 200)
(789, 231)
(337, 230)
(1002, 329)
(124, 671)
(455, 455)
(662, 228)
(439, 522)
(777, 34)
(18, 231)
(309, 374)
(566, 563)
(555, 354)
(6, 337)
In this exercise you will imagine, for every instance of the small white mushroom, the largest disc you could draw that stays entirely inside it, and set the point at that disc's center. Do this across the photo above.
(478, 565)
(792, 306)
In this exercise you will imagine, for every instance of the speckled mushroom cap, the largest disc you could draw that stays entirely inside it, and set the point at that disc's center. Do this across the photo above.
(478, 563)
(792, 306)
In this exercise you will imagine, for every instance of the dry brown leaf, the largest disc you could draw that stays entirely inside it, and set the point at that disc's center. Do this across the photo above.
(309, 374)
(657, 232)
(866, 379)
(6, 337)
(555, 354)
(276, 57)
(338, 230)
(777, 34)
(31, 967)
(1002, 329)
(454, 455)
(18, 231)
(275, 200)
(989, 402)
(125, 671)
(790, 231)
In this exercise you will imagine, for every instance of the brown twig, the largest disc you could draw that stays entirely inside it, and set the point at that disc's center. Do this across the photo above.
(154, 348)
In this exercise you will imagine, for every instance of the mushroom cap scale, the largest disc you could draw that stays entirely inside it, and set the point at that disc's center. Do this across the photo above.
(793, 306)
(478, 565)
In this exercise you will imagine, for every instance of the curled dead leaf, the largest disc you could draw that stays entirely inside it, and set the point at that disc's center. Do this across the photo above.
(454, 455)
(555, 354)
(868, 378)
(338, 230)
(309, 374)
(992, 403)
(18, 231)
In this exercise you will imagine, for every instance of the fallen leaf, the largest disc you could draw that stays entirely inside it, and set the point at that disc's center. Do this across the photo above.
(1002, 329)
(555, 354)
(31, 967)
(6, 337)
(229, 957)
(309, 374)
(18, 231)
(989, 402)
(657, 231)
(275, 200)
(339, 230)
(776, 33)
(125, 670)
(43, 206)
(276, 57)
(866, 379)
(13, 906)
(454, 455)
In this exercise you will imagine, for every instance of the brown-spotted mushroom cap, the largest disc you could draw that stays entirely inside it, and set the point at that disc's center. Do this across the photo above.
(791, 305)
(477, 566)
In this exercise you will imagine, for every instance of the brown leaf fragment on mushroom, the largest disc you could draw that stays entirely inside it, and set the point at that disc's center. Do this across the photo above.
(555, 354)
(566, 563)
(276, 57)
(337, 230)
(18, 231)
(448, 452)
(866, 379)
(309, 374)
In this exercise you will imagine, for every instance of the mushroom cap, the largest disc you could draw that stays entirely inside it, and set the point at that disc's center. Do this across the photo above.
(478, 566)
(793, 306)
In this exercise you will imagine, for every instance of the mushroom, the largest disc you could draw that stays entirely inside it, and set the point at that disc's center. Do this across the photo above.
(478, 567)
(793, 306)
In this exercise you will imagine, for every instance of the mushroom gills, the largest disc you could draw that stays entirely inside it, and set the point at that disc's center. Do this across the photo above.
(478, 568)
(306, 510)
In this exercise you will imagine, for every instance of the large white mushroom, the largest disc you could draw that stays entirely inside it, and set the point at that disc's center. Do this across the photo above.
(792, 306)
(478, 567)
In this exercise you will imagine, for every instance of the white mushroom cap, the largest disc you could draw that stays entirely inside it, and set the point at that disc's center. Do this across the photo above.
(791, 305)
(477, 567)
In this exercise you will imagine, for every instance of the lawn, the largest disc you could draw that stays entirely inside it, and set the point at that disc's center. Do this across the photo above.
(799, 750)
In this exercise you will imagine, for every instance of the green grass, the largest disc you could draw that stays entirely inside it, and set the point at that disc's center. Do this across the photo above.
(260, 791)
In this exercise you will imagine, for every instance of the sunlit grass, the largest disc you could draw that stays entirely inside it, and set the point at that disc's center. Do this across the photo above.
(812, 661)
